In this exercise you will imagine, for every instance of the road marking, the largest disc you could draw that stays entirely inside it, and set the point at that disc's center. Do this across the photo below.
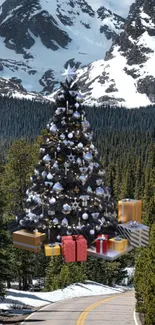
(35, 312)
(85, 313)
(135, 318)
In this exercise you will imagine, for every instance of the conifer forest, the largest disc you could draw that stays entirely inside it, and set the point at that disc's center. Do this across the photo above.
(125, 139)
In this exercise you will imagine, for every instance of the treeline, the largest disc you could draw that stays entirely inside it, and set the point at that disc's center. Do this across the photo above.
(24, 118)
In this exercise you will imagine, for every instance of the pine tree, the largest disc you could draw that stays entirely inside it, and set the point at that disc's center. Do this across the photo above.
(145, 281)
(68, 195)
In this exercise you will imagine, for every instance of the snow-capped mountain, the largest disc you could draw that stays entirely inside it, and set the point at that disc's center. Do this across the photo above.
(39, 37)
(126, 76)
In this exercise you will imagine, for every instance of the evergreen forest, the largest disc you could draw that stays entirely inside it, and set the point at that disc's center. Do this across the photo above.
(125, 139)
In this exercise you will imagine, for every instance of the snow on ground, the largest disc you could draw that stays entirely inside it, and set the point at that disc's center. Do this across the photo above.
(38, 299)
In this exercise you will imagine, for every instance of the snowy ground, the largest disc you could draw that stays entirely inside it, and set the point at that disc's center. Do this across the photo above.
(39, 299)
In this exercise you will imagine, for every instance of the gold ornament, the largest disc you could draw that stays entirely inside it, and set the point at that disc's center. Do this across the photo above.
(76, 189)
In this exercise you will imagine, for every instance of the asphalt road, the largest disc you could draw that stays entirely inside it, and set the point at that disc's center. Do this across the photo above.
(99, 310)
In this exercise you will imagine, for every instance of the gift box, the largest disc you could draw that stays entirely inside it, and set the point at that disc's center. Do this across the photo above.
(102, 244)
(52, 250)
(74, 248)
(118, 244)
(81, 248)
(129, 210)
(68, 249)
(136, 233)
(29, 241)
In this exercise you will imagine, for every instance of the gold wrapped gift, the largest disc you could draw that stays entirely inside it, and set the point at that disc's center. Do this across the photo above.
(129, 210)
(117, 244)
(52, 250)
(29, 241)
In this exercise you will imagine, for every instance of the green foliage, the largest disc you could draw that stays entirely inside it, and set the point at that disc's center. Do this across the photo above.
(108, 273)
(59, 275)
(145, 281)
(20, 164)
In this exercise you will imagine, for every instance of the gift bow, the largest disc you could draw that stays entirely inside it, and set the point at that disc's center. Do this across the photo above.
(133, 224)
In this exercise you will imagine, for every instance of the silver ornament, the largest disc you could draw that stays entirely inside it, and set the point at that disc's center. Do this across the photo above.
(70, 135)
(89, 189)
(76, 115)
(55, 221)
(49, 176)
(31, 215)
(71, 158)
(101, 172)
(103, 220)
(80, 145)
(63, 122)
(58, 148)
(85, 216)
(88, 156)
(53, 128)
(47, 158)
(92, 146)
(58, 237)
(96, 165)
(43, 174)
(77, 105)
(66, 208)
(83, 178)
(48, 183)
(57, 187)
(99, 182)
(92, 232)
(55, 165)
(79, 161)
(95, 215)
(62, 136)
(36, 172)
(99, 191)
(52, 200)
(75, 205)
(83, 170)
(42, 150)
(64, 222)
(37, 199)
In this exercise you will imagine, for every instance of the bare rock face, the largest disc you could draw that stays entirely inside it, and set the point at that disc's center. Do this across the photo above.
(28, 20)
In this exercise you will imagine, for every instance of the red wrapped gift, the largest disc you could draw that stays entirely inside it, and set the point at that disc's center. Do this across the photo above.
(68, 249)
(81, 248)
(102, 244)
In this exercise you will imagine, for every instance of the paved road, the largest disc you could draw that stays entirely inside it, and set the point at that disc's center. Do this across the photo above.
(99, 310)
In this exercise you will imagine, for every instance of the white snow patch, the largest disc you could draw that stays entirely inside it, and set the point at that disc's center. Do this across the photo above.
(38, 299)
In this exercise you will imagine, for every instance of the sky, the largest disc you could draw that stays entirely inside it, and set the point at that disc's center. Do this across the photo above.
(120, 7)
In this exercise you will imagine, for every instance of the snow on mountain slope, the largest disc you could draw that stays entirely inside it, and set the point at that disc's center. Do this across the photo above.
(38, 38)
(127, 75)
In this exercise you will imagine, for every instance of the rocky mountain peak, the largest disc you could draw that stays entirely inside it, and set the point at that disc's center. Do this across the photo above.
(126, 75)
(38, 38)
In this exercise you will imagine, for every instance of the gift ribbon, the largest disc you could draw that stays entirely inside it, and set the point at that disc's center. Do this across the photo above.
(25, 245)
(101, 239)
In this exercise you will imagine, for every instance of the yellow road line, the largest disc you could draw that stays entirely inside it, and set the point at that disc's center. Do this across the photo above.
(85, 313)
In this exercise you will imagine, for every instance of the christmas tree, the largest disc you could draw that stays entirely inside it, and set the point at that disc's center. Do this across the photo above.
(68, 195)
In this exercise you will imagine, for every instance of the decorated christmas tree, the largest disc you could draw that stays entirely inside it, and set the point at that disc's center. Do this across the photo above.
(67, 194)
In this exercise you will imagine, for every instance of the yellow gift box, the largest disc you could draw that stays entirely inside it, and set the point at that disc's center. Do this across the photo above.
(117, 244)
(129, 210)
(29, 241)
(54, 250)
